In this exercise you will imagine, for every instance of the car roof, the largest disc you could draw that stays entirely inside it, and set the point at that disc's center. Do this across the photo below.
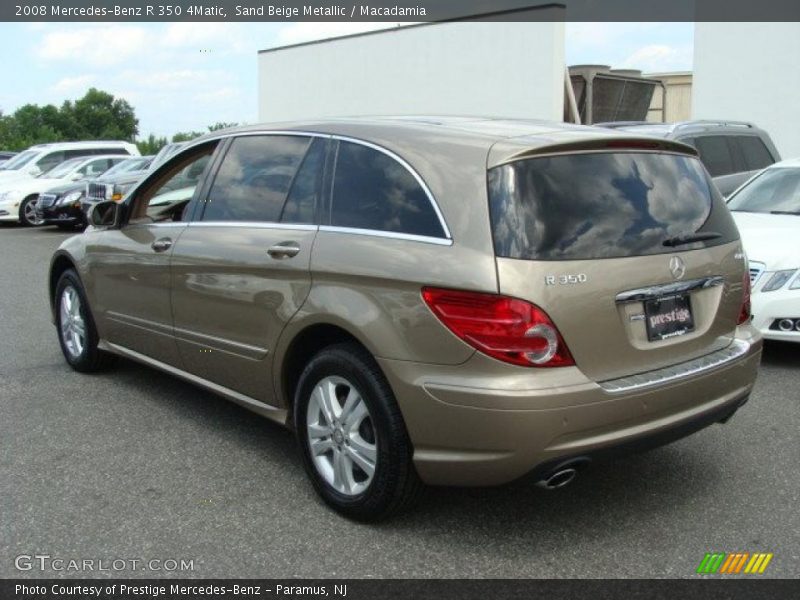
(503, 138)
(78, 145)
(682, 127)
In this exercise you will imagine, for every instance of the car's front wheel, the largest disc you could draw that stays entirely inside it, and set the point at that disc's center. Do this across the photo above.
(352, 436)
(77, 333)
(27, 212)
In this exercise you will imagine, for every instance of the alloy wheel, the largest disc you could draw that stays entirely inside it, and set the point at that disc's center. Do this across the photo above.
(341, 436)
(73, 327)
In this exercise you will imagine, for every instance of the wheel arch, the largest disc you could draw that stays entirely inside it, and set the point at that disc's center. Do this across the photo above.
(60, 263)
(305, 344)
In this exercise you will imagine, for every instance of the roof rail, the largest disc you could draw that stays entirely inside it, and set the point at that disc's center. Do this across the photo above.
(685, 124)
(614, 124)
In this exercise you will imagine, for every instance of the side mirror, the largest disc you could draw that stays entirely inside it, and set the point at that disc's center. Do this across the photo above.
(76, 177)
(104, 214)
(35, 171)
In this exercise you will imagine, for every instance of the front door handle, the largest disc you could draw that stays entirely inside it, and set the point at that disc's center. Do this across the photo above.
(284, 250)
(161, 244)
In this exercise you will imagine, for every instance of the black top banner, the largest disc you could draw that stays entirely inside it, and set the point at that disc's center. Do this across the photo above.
(400, 10)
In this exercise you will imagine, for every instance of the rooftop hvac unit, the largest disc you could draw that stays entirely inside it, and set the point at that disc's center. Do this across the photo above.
(603, 94)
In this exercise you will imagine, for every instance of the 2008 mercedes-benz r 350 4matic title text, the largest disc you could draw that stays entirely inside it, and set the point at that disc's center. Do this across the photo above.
(452, 301)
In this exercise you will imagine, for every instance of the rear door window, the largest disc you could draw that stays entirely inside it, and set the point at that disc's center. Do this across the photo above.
(603, 205)
(301, 202)
(254, 178)
(373, 191)
(716, 155)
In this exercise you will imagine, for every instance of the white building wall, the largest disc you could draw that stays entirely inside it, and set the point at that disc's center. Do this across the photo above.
(748, 72)
(503, 69)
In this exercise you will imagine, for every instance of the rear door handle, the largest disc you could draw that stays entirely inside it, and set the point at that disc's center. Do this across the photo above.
(161, 244)
(284, 250)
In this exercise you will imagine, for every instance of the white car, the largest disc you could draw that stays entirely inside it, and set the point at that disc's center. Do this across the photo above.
(18, 196)
(40, 158)
(767, 212)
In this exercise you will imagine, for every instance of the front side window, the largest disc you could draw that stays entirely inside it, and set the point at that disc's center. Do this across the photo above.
(371, 190)
(254, 178)
(48, 161)
(603, 205)
(166, 196)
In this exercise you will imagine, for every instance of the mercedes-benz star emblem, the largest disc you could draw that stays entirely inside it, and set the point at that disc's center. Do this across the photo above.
(677, 267)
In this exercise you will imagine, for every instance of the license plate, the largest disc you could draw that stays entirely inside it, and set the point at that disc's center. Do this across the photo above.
(670, 316)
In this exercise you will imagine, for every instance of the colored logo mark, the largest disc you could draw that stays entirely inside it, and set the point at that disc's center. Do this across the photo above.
(734, 563)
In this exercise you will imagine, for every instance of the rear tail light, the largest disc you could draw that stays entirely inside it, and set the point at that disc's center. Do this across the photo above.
(744, 311)
(507, 329)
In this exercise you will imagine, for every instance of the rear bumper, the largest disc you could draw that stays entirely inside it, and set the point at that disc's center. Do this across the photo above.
(470, 426)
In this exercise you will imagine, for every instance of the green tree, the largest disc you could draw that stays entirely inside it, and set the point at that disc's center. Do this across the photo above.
(96, 116)
(221, 125)
(99, 115)
(185, 136)
(151, 145)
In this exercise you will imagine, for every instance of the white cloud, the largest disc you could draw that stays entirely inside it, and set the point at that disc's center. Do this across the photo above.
(660, 57)
(296, 33)
(94, 46)
(72, 85)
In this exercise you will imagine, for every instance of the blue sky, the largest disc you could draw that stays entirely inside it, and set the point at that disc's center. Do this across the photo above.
(185, 76)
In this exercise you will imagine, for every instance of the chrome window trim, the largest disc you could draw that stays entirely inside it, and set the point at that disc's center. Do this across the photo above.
(678, 287)
(255, 225)
(388, 234)
(344, 138)
(735, 350)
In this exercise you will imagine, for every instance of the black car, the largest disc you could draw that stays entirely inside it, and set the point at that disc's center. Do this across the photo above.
(65, 205)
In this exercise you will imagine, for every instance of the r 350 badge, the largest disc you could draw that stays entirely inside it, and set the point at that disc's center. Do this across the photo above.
(565, 279)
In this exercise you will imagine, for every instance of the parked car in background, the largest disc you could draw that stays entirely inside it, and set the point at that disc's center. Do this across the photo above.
(5, 157)
(732, 151)
(18, 197)
(544, 296)
(114, 186)
(63, 205)
(37, 159)
(767, 212)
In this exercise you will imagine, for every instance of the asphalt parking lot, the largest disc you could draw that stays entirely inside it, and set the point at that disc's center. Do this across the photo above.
(136, 465)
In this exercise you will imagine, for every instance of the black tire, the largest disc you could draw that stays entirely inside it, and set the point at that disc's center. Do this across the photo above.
(395, 483)
(24, 216)
(90, 358)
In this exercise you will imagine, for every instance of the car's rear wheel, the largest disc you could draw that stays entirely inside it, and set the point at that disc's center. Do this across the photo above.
(352, 436)
(27, 212)
(77, 333)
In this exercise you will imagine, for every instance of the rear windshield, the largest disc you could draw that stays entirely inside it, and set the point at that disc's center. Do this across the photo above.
(604, 205)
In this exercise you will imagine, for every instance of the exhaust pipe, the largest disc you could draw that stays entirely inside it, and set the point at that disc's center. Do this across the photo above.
(558, 479)
(786, 325)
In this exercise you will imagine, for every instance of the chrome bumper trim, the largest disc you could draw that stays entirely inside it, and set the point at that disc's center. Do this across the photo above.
(736, 349)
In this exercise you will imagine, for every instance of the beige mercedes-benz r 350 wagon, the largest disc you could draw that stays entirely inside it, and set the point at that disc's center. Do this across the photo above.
(455, 301)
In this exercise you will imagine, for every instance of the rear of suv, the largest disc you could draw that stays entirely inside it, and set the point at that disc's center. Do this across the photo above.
(451, 301)
(732, 151)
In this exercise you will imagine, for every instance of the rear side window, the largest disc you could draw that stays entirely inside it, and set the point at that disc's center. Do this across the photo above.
(716, 155)
(755, 153)
(254, 178)
(603, 205)
(371, 190)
